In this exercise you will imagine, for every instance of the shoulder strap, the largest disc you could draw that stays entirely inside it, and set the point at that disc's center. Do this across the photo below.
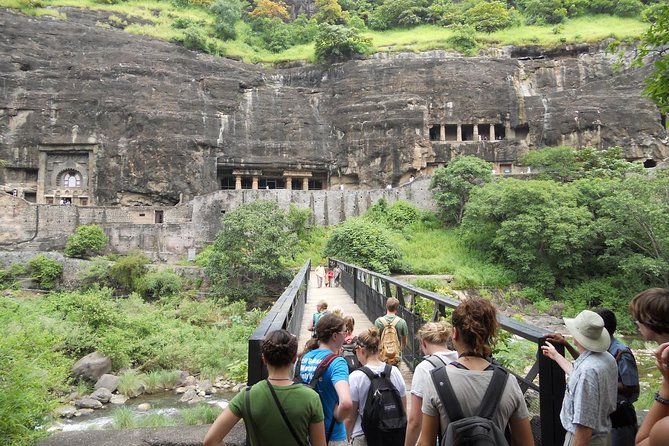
(387, 371)
(395, 321)
(434, 363)
(322, 367)
(247, 409)
(367, 371)
(283, 415)
(446, 394)
(494, 393)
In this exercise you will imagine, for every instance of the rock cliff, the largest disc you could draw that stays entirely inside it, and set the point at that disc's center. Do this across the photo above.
(151, 123)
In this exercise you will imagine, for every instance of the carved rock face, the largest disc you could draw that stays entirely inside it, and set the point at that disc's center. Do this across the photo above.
(157, 123)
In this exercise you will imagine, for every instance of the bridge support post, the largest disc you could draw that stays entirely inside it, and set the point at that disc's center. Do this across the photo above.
(551, 394)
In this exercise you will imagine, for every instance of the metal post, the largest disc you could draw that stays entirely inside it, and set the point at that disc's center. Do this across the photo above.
(551, 393)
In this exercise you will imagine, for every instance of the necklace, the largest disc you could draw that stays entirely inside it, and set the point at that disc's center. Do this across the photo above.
(280, 379)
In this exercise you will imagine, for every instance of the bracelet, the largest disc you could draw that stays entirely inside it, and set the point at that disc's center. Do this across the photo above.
(661, 400)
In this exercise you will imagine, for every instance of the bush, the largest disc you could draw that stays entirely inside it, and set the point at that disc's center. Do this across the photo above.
(396, 216)
(336, 43)
(463, 39)
(227, 13)
(160, 283)
(45, 271)
(97, 274)
(127, 272)
(628, 8)
(364, 244)
(86, 241)
(540, 12)
(200, 414)
(489, 17)
(195, 38)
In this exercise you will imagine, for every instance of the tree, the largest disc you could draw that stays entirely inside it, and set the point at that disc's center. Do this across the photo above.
(635, 223)
(227, 13)
(489, 17)
(365, 244)
(566, 164)
(452, 185)
(127, 273)
(269, 8)
(45, 271)
(336, 43)
(245, 261)
(655, 42)
(87, 240)
(329, 11)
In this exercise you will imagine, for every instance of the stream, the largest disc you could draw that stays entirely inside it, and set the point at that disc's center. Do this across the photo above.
(165, 404)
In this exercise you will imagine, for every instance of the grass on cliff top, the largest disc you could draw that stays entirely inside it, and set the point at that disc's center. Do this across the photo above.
(158, 17)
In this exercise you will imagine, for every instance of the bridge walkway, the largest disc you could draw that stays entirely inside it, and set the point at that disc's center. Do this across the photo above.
(338, 297)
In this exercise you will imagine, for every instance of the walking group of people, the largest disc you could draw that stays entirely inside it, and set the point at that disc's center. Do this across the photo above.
(457, 390)
(330, 277)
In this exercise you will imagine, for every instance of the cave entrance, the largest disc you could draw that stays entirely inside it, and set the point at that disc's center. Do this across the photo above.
(522, 131)
(158, 217)
(451, 132)
(468, 132)
(484, 132)
(649, 163)
(434, 132)
(500, 131)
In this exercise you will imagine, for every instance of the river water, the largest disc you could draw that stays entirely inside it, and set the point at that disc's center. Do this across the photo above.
(165, 404)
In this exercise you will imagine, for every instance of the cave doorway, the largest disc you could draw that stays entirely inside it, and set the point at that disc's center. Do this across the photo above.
(649, 163)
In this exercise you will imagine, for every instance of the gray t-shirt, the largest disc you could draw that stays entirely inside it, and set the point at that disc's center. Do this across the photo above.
(469, 387)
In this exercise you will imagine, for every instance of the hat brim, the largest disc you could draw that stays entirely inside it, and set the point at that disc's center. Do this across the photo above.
(594, 345)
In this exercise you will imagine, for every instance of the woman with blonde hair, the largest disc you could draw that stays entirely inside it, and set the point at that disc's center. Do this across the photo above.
(367, 350)
(474, 327)
(433, 338)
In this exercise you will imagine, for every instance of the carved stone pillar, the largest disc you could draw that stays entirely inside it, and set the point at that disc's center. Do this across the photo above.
(238, 182)
(492, 132)
(305, 183)
(254, 183)
(476, 132)
(459, 133)
(442, 132)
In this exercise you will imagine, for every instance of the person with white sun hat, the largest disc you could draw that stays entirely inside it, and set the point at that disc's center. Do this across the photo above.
(591, 391)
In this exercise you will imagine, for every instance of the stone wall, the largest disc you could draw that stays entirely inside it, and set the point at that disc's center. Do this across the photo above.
(37, 227)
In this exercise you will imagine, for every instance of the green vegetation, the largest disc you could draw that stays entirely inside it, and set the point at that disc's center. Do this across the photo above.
(45, 271)
(200, 414)
(87, 240)
(245, 261)
(263, 30)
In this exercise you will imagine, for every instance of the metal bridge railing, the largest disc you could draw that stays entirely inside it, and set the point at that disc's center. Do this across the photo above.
(286, 314)
(369, 290)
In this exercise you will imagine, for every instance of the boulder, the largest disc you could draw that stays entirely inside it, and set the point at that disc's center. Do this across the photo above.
(135, 390)
(189, 395)
(65, 411)
(108, 382)
(205, 386)
(118, 399)
(102, 394)
(87, 403)
(91, 367)
(144, 407)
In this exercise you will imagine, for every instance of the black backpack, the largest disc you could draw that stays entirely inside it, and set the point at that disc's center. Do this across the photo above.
(384, 421)
(348, 353)
(478, 430)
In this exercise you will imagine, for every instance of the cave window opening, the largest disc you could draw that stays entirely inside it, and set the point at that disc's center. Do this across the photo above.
(468, 132)
(315, 185)
(650, 162)
(451, 132)
(500, 131)
(83, 201)
(484, 132)
(295, 184)
(506, 168)
(434, 132)
(227, 183)
(522, 131)
(70, 178)
(159, 217)
(247, 183)
(271, 183)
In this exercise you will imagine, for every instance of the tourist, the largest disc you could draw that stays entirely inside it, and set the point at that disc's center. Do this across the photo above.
(367, 350)
(592, 387)
(433, 338)
(337, 275)
(474, 326)
(391, 318)
(650, 309)
(329, 280)
(349, 323)
(261, 405)
(623, 420)
(320, 274)
(321, 310)
(333, 387)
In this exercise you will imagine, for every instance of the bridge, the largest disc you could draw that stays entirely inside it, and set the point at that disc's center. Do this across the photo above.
(363, 294)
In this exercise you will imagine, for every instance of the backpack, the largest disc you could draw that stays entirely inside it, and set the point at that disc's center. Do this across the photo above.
(384, 421)
(318, 374)
(390, 342)
(348, 353)
(477, 430)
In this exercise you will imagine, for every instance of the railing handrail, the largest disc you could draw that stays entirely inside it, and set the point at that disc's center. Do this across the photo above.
(286, 313)
(369, 290)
